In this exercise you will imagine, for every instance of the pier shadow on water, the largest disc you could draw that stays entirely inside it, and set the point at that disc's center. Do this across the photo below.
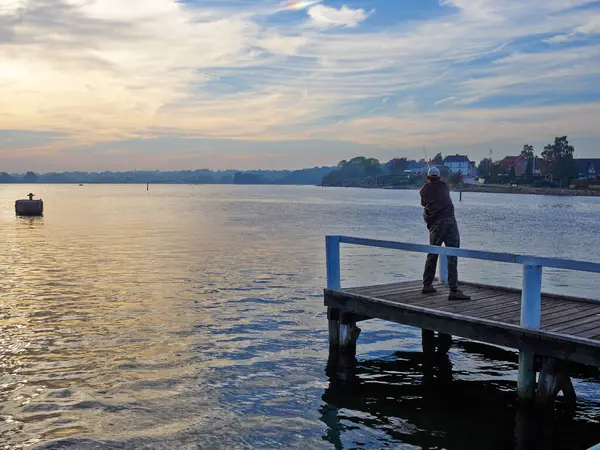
(413, 401)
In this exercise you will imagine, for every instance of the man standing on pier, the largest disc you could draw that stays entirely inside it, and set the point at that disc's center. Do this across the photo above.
(443, 229)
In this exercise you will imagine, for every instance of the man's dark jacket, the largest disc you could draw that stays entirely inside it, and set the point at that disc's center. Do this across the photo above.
(435, 197)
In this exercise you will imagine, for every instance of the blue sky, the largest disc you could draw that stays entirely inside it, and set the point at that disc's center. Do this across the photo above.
(161, 84)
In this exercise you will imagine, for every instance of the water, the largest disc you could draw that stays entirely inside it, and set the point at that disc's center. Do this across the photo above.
(192, 317)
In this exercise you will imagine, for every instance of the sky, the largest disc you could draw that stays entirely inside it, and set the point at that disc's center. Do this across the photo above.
(241, 84)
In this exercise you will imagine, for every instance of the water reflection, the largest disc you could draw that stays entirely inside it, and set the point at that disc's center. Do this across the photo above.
(415, 399)
(192, 317)
(29, 222)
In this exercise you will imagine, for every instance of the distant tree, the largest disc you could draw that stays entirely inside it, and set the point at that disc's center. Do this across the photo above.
(422, 161)
(305, 176)
(351, 171)
(560, 160)
(372, 167)
(30, 177)
(398, 165)
(248, 178)
(527, 152)
(454, 179)
(5, 178)
(358, 161)
(484, 168)
(438, 159)
(444, 171)
(495, 169)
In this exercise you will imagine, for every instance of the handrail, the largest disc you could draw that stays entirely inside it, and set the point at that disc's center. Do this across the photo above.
(557, 263)
(532, 268)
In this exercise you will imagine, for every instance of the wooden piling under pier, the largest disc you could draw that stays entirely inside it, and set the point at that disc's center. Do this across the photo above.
(552, 327)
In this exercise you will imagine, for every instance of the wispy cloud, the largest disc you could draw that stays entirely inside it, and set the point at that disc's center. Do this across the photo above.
(444, 100)
(99, 72)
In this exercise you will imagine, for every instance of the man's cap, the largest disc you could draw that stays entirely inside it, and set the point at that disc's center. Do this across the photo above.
(433, 172)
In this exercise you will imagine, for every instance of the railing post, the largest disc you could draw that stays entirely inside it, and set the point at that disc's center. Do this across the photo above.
(443, 266)
(531, 297)
(332, 248)
(531, 311)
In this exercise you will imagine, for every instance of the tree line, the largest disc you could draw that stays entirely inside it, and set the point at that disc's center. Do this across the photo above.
(309, 176)
(556, 165)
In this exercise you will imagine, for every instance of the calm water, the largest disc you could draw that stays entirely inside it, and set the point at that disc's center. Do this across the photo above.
(192, 317)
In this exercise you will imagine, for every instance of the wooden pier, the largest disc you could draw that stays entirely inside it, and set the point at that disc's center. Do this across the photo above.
(548, 330)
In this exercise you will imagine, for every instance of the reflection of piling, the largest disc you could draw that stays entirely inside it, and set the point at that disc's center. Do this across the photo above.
(29, 207)
(343, 334)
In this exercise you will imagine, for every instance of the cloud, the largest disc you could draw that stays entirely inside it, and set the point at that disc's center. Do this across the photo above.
(472, 127)
(444, 100)
(96, 72)
(558, 39)
(325, 16)
(11, 7)
(298, 5)
(592, 26)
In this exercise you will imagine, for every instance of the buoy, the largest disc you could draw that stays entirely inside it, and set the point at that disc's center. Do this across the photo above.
(29, 207)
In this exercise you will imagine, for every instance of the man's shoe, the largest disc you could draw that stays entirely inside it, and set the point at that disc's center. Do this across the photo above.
(458, 295)
(428, 290)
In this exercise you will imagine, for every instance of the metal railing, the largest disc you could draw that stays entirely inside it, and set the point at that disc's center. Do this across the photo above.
(532, 268)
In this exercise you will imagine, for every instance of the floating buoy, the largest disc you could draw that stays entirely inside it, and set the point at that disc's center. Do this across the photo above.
(29, 207)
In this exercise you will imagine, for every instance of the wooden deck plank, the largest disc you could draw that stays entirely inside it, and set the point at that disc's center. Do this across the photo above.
(415, 297)
(575, 326)
(559, 311)
(569, 316)
(570, 326)
(391, 287)
(548, 316)
(592, 333)
(481, 310)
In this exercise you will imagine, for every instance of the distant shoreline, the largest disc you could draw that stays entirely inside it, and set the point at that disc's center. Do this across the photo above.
(522, 190)
(486, 189)
(528, 190)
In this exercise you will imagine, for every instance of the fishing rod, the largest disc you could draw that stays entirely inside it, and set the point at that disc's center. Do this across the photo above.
(426, 158)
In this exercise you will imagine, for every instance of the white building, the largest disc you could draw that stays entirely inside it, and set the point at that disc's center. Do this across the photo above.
(459, 164)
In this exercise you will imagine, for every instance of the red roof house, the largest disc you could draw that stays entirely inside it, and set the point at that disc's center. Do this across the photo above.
(518, 162)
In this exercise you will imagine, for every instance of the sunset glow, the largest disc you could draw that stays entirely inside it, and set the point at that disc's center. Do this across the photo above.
(107, 84)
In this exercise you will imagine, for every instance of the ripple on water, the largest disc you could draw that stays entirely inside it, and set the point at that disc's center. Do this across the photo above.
(193, 318)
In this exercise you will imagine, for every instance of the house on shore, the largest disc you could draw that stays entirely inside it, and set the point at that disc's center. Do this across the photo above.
(588, 168)
(416, 168)
(460, 164)
(519, 163)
